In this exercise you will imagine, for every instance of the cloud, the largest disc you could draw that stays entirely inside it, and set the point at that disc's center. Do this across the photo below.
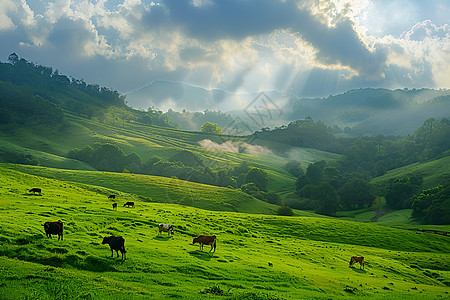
(236, 147)
(303, 46)
(237, 20)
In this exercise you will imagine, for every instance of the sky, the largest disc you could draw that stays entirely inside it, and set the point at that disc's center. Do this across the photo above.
(308, 48)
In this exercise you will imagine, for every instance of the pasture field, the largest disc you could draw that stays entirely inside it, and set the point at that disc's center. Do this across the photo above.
(157, 189)
(309, 255)
(51, 145)
(434, 173)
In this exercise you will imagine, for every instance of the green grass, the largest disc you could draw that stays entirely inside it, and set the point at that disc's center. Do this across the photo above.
(309, 255)
(51, 145)
(434, 173)
(158, 189)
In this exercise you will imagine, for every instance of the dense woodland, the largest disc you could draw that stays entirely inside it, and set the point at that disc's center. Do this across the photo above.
(31, 94)
(345, 185)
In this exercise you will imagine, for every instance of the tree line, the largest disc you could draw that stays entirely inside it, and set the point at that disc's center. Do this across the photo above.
(184, 165)
(345, 184)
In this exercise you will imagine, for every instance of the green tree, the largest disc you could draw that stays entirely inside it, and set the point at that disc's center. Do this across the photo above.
(400, 190)
(249, 188)
(209, 127)
(259, 177)
(294, 168)
(327, 199)
(432, 206)
(315, 170)
(355, 193)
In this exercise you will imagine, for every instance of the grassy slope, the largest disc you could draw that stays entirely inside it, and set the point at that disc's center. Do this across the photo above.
(50, 145)
(309, 255)
(433, 172)
(158, 189)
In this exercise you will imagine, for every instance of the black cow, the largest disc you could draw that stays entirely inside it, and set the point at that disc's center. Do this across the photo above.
(129, 204)
(35, 190)
(54, 228)
(112, 197)
(115, 206)
(116, 243)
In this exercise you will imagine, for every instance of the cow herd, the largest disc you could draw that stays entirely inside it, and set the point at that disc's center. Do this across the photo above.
(117, 243)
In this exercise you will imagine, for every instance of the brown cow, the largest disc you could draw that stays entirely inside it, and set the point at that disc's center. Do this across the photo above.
(54, 228)
(116, 243)
(206, 240)
(355, 259)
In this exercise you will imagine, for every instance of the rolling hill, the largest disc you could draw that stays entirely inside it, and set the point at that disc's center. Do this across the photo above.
(260, 255)
(308, 255)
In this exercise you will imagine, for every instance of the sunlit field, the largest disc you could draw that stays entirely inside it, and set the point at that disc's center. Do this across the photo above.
(308, 256)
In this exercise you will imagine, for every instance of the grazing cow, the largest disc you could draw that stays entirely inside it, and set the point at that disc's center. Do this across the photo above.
(206, 240)
(116, 243)
(112, 197)
(115, 206)
(165, 227)
(356, 259)
(35, 190)
(54, 228)
(129, 204)
(270, 264)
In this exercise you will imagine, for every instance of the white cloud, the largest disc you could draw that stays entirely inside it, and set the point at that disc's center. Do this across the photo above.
(237, 45)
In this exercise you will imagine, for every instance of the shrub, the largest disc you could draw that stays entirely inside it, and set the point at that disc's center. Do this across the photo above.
(285, 211)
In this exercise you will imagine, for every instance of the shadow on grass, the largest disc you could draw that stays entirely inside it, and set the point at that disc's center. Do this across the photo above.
(201, 254)
(357, 270)
(162, 238)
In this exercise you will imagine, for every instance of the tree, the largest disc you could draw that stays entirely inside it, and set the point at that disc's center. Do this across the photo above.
(209, 127)
(259, 177)
(432, 206)
(314, 171)
(327, 199)
(249, 188)
(294, 168)
(355, 193)
(400, 190)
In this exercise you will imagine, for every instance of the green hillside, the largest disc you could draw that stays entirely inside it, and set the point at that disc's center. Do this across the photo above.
(434, 173)
(308, 255)
(158, 189)
(50, 146)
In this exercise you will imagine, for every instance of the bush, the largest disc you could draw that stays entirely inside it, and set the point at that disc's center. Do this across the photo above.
(300, 204)
(285, 211)
(294, 168)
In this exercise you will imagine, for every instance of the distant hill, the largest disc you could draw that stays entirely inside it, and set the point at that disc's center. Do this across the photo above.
(178, 96)
(359, 112)
(373, 111)
(42, 89)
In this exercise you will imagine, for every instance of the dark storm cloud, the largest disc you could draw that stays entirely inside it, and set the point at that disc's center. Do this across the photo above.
(237, 20)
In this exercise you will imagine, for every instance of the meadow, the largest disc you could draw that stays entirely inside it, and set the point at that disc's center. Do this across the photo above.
(309, 255)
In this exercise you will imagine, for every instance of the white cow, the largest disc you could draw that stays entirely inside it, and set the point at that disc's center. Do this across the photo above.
(165, 227)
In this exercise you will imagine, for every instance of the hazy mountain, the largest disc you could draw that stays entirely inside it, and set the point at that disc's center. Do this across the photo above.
(178, 96)
(358, 112)
(373, 111)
